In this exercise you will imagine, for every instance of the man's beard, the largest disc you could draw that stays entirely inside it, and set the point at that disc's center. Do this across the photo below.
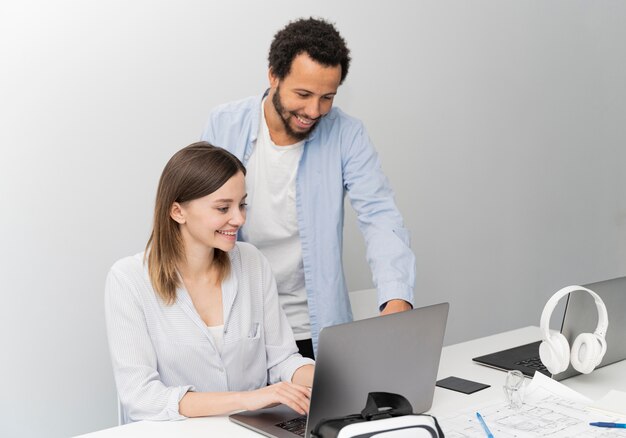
(280, 109)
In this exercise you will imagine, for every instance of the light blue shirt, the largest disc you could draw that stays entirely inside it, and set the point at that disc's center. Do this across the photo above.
(338, 158)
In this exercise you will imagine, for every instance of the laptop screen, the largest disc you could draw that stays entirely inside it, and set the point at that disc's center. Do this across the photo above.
(396, 353)
(580, 317)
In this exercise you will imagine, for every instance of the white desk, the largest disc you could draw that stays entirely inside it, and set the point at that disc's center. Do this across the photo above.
(456, 360)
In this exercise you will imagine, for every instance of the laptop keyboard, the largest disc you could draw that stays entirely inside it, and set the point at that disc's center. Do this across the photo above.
(534, 363)
(295, 425)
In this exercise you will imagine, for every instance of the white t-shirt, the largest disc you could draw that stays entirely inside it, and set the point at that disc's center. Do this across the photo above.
(217, 334)
(272, 224)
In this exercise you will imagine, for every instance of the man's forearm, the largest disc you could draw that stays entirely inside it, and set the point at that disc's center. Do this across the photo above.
(395, 306)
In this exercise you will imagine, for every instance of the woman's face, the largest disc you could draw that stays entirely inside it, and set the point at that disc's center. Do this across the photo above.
(213, 220)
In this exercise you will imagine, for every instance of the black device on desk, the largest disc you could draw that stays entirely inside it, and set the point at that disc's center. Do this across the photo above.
(579, 317)
(524, 358)
(461, 385)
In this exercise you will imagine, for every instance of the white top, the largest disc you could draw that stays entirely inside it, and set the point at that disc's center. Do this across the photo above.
(272, 224)
(159, 351)
(217, 333)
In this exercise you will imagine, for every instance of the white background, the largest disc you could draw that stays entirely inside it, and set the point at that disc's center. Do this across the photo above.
(500, 124)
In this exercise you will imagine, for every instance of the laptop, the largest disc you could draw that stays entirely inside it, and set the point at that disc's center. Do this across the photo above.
(396, 353)
(580, 317)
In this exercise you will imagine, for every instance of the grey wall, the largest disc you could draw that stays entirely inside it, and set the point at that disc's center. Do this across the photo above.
(501, 126)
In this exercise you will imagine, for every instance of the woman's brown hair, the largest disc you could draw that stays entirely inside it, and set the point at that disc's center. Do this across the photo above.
(193, 172)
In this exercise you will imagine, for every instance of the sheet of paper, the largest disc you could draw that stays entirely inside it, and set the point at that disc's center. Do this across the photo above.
(541, 382)
(614, 402)
(550, 409)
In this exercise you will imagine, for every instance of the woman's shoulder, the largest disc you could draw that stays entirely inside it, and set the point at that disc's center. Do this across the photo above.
(130, 264)
(131, 267)
(246, 249)
(129, 274)
(245, 256)
(247, 253)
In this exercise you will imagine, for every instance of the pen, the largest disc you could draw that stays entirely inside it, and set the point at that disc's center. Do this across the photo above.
(484, 425)
(602, 424)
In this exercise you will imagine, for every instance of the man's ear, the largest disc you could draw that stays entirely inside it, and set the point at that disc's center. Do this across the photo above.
(177, 213)
(273, 79)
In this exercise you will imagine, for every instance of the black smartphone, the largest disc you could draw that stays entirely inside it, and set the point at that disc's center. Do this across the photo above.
(461, 385)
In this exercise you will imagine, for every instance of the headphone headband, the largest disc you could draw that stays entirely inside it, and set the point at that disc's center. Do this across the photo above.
(603, 318)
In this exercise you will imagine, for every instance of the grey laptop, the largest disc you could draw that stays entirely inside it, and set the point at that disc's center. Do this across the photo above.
(580, 317)
(396, 353)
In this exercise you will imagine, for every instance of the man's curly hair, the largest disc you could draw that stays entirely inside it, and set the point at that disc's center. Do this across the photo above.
(316, 37)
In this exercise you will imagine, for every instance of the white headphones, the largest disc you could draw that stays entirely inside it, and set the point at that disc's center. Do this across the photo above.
(588, 348)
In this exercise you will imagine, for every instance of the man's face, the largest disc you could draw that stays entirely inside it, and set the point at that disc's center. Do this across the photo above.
(302, 97)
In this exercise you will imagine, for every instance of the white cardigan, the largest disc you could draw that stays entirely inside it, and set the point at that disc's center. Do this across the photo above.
(160, 352)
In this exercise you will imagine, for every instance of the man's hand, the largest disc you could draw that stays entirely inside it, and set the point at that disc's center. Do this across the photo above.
(395, 306)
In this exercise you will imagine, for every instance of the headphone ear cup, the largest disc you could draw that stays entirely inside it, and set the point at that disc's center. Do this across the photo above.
(554, 353)
(586, 352)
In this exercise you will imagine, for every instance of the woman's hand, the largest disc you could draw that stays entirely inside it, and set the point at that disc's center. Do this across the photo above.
(297, 397)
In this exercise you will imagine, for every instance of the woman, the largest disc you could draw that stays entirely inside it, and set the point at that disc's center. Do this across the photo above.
(194, 324)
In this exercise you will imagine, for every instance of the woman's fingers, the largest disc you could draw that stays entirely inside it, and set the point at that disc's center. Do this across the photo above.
(297, 397)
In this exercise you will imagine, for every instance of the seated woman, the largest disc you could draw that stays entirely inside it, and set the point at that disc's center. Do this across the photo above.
(194, 324)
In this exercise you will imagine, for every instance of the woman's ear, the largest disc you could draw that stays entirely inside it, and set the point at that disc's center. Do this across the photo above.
(177, 213)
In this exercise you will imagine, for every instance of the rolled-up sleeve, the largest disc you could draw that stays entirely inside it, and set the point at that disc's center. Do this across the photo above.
(283, 358)
(142, 394)
(389, 251)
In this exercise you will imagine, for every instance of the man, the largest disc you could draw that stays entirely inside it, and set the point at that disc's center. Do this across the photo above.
(302, 156)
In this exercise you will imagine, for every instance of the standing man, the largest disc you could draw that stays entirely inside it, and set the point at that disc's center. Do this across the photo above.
(302, 156)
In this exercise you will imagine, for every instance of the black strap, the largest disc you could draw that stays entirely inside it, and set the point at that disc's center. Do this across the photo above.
(385, 405)
(379, 405)
(439, 431)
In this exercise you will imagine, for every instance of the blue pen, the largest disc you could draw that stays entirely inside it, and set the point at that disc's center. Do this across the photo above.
(602, 424)
(484, 425)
